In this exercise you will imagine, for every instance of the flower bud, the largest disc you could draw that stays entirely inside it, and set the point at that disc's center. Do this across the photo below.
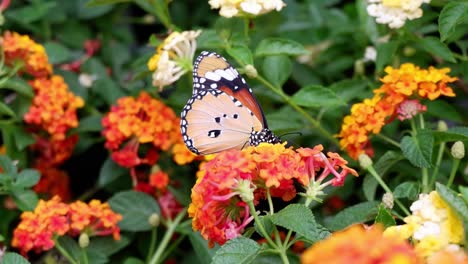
(442, 126)
(154, 220)
(250, 71)
(246, 192)
(83, 241)
(359, 67)
(387, 200)
(364, 161)
(409, 51)
(458, 150)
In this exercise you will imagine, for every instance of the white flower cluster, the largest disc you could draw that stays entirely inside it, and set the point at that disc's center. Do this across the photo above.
(173, 57)
(232, 8)
(395, 12)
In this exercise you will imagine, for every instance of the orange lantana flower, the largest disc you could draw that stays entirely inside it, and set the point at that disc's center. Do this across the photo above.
(407, 83)
(360, 245)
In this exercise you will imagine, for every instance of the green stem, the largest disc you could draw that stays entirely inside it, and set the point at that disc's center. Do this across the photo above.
(388, 140)
(421, 121)
(171, 226)
(270, 202)
(63, 251)
(246, 28)
(287, 99)
(377, 177)
(437, 165)
(85, 256)
(425, 180)
(286, 239)
(260, 226)
(453, 171)
(173, 246)
(154, 235)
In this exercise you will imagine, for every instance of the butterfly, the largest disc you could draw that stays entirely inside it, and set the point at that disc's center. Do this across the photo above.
(222, 113)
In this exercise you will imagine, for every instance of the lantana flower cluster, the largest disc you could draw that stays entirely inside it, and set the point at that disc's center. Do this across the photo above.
(173, 57)
(432, 227)
(232, 179)
(141, 120)
(395, 98)
(233, 8)
(395, 12)
(53, 218)
(53, 111)
(358, 244)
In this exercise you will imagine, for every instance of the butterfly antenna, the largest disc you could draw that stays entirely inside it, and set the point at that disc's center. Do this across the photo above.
(291, 133)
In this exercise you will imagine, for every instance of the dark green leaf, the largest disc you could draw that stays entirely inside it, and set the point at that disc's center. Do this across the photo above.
(30, 13)
(385, 54)
(279, 46)
(299, 218)
(369, 187)
(384, 216)
(349, 89)
(433, 46)
(70, 246)
(443, 110)
(267, 224)
(93, 256)
(418, 149)
(57, 52)
(409, 190)
(136, 208)
(18, 85)
(209, 39)
(92, 3)
(109, 172)
(452, 134)
(358, 213)
(90, 124)
(27, 178)
(454, 200)
(241, 53)
(277, 69)
(108, 90)
(316, 96)
(237, 250)
(14, 258)
(5, 110)
(159, 8)
(133, 260)
(284, 119)
(200, 246)
(453, 14)
(107, 245)
(22, 138)
(26, 200)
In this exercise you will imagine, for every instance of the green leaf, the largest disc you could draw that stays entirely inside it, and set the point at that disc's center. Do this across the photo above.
(133, 260)
(443, 110)
(241, 53)
(92, 3)
(433, 46)
(265, 220)
(90, 124)
(277, 69)
(5, 110)
(57, 52)
(284, 119)
(93, 256)
(107, 245)
(200, 246)
(237, 250)
(384, 216)
(7, 166)
(299, 218)
(31, 12)
(18, 85)
(27, 178)
(454, 200)
(109, 172)
(358, 213)
(26, 200)
(453, 14)
(409, 190)
(452, 134)
(159, 8)
(418, 149)
(136, 208)
(385, 54)
(316, 96)
(385, 162)
(279, 46)
(464, 192)
(22, 138)
(108, 90)
(14, 258)
(70, 246)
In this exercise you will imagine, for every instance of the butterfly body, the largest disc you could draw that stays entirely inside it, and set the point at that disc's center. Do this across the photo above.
(222, 113)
